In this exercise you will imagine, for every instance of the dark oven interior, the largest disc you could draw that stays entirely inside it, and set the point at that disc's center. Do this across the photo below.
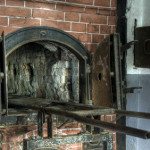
(43, 70)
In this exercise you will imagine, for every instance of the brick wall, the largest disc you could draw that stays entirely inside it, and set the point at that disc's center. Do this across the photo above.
(89, 21)
(12, 137)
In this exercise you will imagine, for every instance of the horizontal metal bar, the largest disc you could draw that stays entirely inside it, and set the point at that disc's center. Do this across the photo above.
(133, 114)
(96, 123)
(94, 112)
(53, 142)
(100, 124)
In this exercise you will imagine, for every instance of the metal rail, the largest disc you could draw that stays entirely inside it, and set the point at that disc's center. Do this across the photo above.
(88, 121)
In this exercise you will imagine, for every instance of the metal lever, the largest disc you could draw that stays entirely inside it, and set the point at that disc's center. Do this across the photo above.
(132, 89)
(128, 45)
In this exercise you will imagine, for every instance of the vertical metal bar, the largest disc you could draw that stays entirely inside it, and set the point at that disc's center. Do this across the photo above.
(97, 130)
(4, 87)
(50, 126)
(82, 82)
(89, 127)
(40, 123)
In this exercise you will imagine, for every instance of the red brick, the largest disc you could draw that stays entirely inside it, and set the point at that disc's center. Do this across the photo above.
(104, 29)
(93, 19)
(114, 146)
(113, 3)
(32, 127)
(49, 23)
(35, 133)
(45, 134)
(112, 20)
(79, 27)
(40, 5)
(71, 131)
(73, 125)
(19, 22)
(82, 37)
(16, 138)
(64, 26)
(114, 136)
(14, 3)
(89, 2)
(2, 2)
(68, 8)
(30, 134)
(105, 3)
(96, 38)
(113, 117)
(105, 12)
(113, 29)
(5, 146)
(89, 10)
(102, 117)
(91, 47)
(3, 21)
(55, 24)
(71, 16)
(54, 15)
(108, 118)
(93, 28)
(15, 11)
(7, 30)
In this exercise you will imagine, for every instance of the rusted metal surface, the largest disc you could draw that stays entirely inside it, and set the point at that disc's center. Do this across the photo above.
(101, 78)
(96, 123)
(107, 73)
(83, 138)
(142, 48)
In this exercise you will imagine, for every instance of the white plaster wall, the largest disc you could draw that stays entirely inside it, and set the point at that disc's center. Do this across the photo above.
(139, 101)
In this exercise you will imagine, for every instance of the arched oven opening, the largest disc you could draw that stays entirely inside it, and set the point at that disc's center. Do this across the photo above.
(43, 70)
(46, 63)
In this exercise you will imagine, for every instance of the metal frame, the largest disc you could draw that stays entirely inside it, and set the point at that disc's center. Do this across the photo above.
(74, 111)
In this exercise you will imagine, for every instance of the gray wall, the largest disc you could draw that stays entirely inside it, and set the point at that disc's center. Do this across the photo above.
(140, 100)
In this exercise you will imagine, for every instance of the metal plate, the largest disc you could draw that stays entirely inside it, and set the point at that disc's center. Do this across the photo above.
(142, 48)
(101, 79)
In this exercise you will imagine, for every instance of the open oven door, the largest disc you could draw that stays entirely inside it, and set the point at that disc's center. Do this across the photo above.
(107, 74)
(3, 77)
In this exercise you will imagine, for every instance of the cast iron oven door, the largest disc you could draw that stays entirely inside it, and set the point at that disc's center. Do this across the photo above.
(106, 73)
